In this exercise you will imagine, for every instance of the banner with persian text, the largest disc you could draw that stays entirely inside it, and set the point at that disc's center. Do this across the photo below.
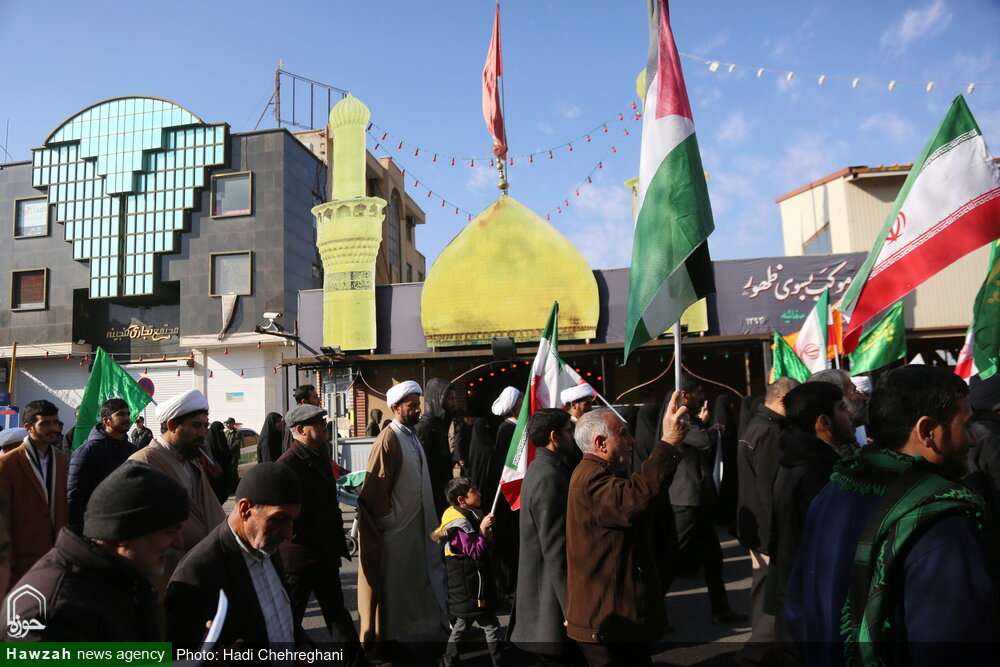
(759, 295)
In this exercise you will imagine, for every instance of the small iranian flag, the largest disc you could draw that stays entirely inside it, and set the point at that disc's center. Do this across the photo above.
(948, 207)
(549, 376)
(966, 366)
(671, 267)
(811, 343)
(982, 343)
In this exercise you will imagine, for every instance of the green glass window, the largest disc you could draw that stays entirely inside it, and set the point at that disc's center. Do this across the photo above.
(115, 170)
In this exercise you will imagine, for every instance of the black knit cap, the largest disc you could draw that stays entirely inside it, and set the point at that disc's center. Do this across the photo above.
(270, 484)
(134, 500)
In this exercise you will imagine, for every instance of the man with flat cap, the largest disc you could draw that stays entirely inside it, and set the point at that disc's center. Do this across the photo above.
(95, 586)
(312, 554)
(174, 452)
(402, 594)
(578, 400)
(240, 558)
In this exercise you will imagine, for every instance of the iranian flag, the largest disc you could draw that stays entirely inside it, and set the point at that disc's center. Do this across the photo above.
(981, 352)
(810, 344)
(966, 366)
(671, 267)
(549, 376)
(948, 207)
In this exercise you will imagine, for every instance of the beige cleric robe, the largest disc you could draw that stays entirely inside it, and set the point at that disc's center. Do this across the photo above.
(205, 512)
(402, 592)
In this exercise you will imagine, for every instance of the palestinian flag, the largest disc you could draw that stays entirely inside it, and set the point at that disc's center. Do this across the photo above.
(671, 267)
(948, 207)
(982, 343)
(811, 343)
(549, 376)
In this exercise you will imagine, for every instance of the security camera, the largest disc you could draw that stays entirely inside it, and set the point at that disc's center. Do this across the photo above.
(272, 316)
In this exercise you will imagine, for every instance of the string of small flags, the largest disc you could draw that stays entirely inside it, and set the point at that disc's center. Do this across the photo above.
(584, 183)
(629, 111)
(457, 209)
(714, 65)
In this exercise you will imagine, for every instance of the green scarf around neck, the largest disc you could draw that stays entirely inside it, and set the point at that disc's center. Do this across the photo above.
(915, 494)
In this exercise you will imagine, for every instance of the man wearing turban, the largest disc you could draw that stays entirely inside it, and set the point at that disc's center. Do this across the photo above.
(402, 593)
(174, 452)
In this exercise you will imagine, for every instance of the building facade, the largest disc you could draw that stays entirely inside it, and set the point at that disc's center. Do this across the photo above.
(168, 241)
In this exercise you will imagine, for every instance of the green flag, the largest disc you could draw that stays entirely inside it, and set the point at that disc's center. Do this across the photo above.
(786, 363)
(882, 345)
(986, 318)
(107, 380)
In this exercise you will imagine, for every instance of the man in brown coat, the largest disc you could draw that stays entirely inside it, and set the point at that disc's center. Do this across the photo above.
(183, 423)
(33, 489)
(402, 593)
(615, 609)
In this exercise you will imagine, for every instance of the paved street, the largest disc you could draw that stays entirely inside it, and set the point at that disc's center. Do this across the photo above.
(695, 642)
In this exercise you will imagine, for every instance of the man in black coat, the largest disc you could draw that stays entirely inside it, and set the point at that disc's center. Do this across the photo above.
(432, 432)
(820, 428)
(757, 460)
(240, 559)
(693, 497)
(95, 586)
(541, 579)
(312, 556)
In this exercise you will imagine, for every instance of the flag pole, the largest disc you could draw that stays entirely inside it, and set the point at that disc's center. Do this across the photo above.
(677, 356)
(610, 407)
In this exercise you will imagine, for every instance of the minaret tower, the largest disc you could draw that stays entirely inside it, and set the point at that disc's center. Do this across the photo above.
(349, 231)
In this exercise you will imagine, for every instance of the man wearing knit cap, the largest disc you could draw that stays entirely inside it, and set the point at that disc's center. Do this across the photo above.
(183, 423)
(396, 514)
(578, 400)
(312, 554)
(96, 586)
(240, 558)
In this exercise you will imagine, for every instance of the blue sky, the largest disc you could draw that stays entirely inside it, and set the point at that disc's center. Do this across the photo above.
(569, 67)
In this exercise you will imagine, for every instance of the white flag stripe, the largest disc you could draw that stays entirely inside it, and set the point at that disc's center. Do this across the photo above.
(659, 137)
(953, 182)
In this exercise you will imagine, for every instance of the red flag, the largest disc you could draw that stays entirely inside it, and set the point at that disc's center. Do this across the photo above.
(491, 94)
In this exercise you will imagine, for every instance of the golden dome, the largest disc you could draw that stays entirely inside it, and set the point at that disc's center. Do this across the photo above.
(499, 277)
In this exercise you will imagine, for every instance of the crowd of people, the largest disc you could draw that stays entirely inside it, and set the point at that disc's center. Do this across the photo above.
(868, 543)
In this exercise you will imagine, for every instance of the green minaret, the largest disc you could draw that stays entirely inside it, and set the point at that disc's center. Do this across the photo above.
(349, 233)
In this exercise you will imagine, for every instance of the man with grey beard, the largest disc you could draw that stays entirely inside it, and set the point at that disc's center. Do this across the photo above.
(95, 586)
(183, 423)
(240, 558)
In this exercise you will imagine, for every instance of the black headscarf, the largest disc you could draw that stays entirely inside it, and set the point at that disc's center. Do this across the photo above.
(434, 398)
(432, 431)
(215, 442)
(269, 446)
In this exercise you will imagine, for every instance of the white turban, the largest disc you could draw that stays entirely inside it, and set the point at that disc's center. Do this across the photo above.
(181, 404)
(398, 392)
(506, 401)
(863, 383)
(577, 393)
(12, 435)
